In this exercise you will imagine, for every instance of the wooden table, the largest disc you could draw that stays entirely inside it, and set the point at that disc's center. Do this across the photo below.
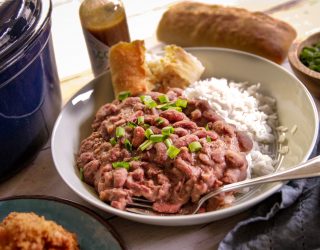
(41, 178)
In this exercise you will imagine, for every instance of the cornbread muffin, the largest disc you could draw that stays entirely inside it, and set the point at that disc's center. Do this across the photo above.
(24, 231)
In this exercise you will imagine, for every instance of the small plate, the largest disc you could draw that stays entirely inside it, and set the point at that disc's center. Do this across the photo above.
(91, 230)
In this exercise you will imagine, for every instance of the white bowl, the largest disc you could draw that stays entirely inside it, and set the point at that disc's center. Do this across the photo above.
(295, 107)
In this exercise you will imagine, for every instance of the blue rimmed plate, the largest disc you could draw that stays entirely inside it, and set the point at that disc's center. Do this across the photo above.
(91, 230)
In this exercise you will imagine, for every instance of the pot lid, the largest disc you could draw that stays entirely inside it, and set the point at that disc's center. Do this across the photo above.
(18, 19)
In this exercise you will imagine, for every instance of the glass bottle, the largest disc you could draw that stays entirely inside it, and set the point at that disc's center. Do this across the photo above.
(104, 24)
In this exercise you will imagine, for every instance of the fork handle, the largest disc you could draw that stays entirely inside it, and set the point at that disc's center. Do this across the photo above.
(308, 169)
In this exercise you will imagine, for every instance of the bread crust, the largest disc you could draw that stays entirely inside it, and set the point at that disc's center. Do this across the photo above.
(195, 24)
(128, 67)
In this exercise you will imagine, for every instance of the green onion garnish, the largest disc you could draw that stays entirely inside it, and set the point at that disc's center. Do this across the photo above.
(113, 141)
(128, 145)
(194, 146)
(136, 158)
(121, 164)
(179, 109)
(145, 145)
(165, 106)
(81, 174)
(157, 138)
(181, 103)
(123, 95)
(146, 125)
(172, 151)
(148, 101)
(163, 98)
(148, 132)
(209, 139)
(159, 120)
(207, 127)
(131, 124)
(140, 120)
(167, 130)
(120, 132)
(168, 142)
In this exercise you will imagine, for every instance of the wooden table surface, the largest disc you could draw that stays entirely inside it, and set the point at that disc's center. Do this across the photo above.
(41, 178)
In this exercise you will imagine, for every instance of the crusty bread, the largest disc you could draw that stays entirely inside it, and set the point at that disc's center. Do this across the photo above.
(196, 24)
(132, 71)
(129, 71)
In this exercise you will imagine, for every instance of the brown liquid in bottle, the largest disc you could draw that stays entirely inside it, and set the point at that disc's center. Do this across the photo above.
(106, 21)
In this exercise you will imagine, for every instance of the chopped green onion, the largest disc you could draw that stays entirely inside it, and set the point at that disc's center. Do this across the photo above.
(165, 106)
(151, 104)
(113, 141)
(179, 109)
(163, 98)
(131, 124)
(144, 98)
(146, 125)
(207, 127)
(140, 120)
(123, 95)
(81, 174)
(168, 142)
(136, 158)
(148, 132)
(209, 139)
(157, 138)
(121, 164)
(181, 103)
(159, 120)
(148, 101)
(167, 130)
(120, 132)
(145, 145)
(128, 145)
(172, 151)
(194, 146)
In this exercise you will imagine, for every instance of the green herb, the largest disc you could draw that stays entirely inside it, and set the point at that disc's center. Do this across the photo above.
(168, 142)
(207, 127)
(120, 132)
(167, 130)
(128, 145)
(121, 164)
(113, 141)
(165, 106)
(310, 56)
(81, 174)
(148, 101)
(140, 120)
(163, 98)
(123, 95)
(159, 120)
(181, 103)
(172, 151)
(148, 132)
(145, 145)
(136, 158)
(131, 124)
(194, 146)
(179, 109)
(208, 139)
(157, 138)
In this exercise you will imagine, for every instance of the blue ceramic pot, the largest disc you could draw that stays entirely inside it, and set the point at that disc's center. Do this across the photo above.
(30, 97)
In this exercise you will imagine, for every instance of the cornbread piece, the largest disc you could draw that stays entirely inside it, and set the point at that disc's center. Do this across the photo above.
(196, 24)
(25, 231)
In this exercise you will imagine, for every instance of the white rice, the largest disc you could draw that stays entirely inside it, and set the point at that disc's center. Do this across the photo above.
(241, 104)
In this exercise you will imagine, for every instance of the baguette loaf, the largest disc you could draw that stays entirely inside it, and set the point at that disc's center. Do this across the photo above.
(190, 24)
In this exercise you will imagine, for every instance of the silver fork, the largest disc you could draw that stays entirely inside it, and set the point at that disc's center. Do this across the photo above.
(308, 169)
